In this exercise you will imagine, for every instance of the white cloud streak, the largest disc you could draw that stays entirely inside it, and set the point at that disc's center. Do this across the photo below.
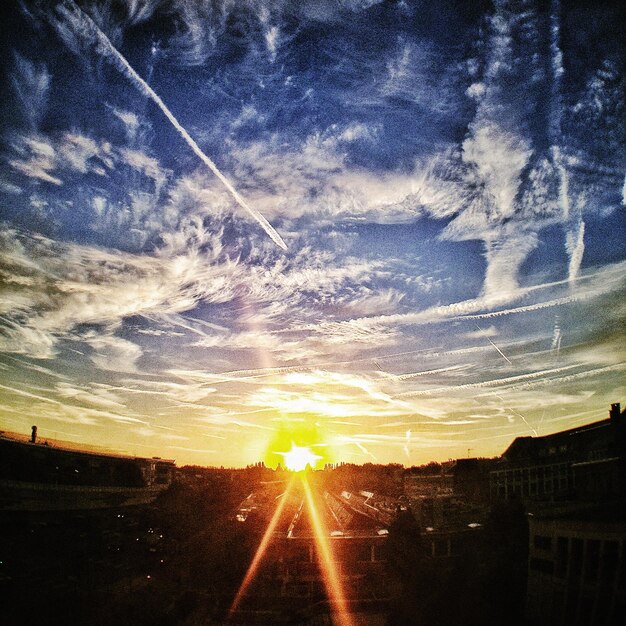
(89, 29)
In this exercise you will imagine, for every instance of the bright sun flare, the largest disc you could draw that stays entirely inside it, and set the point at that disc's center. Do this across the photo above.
(299, 457)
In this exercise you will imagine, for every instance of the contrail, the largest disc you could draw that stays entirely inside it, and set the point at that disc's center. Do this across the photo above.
(556, 338)
(494, 345)
(496, 382)
(520, 415)
(556, 59)
(363, 449)
(451, 368)
(407, 444)
(106, 48)
(575, 244)
(569, 378)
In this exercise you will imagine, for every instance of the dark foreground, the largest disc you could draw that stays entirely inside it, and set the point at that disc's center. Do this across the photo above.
(182, 559)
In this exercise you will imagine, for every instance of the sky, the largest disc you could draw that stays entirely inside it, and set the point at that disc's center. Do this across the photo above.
(392, 232)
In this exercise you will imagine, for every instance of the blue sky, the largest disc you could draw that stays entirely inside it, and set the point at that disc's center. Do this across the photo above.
(392, 231)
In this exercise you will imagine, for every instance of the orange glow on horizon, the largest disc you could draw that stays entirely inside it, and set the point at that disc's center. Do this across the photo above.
(332, 582)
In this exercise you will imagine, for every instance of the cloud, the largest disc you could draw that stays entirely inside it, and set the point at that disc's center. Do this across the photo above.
(94, 395)
(595, 286)
(113, 353)
(68, 154)
(131, 121)
(324, 395)
(505, 255)
(499, 157)
(71, 285)
(90, 31)
(188, 392)
(36, 159)
(480, 333)
(422, 193)
(31, 85)
(313, 179)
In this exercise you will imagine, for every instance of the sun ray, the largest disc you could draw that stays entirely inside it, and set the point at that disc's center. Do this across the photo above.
(260, 552)
(334, 589)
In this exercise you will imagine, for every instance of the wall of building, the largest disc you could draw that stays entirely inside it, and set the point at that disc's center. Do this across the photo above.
(577, 573)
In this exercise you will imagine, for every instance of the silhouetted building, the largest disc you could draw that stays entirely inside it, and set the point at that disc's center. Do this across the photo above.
(470, 479)
(428, 485)
(577, 568)
(574, 486)
(452, 543)
(42, 477)
(585, 462)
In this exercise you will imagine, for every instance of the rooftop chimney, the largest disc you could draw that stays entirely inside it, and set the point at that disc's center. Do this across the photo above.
(618, 426)
(614, 413)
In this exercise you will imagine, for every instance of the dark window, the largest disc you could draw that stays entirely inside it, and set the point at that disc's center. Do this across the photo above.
(558, 607)
(585, 610)
(440, 548)
(619, 609)
(561, 556)
(542, 565)
(571, 605)
(364, 553)
(380, 552)
(592, 562)
(576, 562)
(622, 575)
(543, 543)
(610, 561)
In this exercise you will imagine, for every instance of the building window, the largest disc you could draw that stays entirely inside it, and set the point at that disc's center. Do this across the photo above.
(542, 565)
(576, 559)
(622, 563)
(562, 557)
(610, 561)
(440, 548)
(542, 543)
(592, 561)
(585, 610)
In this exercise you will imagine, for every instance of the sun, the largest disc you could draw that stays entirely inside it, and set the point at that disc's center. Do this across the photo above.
(299, 457)
(293, 438)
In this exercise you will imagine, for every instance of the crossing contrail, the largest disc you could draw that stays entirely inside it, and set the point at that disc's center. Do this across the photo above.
(88, 27)
(494, 345)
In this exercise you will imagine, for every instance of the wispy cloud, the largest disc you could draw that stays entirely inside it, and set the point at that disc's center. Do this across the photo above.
(31, 83)
(450, 197)
(91, 286)
(90, 31)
